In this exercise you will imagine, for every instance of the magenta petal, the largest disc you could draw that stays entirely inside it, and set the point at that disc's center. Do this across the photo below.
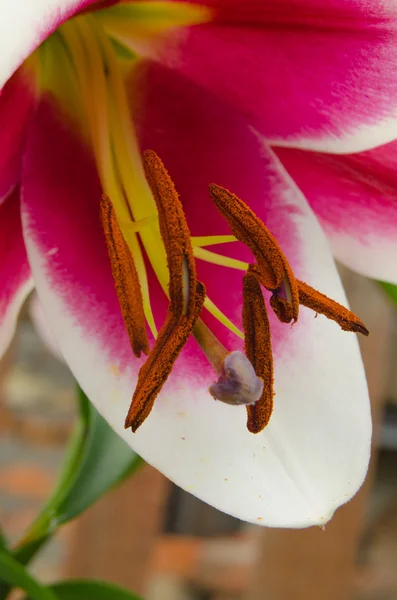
(308, 74)
(355, 198)
(17, 101)
(15, 277)
(61, 195)
(24, 25)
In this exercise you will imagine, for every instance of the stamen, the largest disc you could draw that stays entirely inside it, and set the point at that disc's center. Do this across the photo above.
(249, 229)
(154, 373)
(219, 259)
(284, 304)
(126, 279)
(320, 303)
(175, 234)
(273, 269)
(187, 295)
(212, 240)
(258, 350)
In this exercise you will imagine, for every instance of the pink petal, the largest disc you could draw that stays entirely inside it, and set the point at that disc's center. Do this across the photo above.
(17, 101)
(355, 199)
(313, 456)
(42, 327)
(305, 73)
(24, 25)
(16, 282)
(59, 169)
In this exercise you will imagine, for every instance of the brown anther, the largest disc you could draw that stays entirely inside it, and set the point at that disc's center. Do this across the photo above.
(154, 373)
(187, 295)
(272, 269)
(126, 279)
(320, 303)
(258, 350)
(249, 229)
(285, 300)
(175, 233)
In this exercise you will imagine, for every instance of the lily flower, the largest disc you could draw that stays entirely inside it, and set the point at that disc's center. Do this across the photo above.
(287, 111)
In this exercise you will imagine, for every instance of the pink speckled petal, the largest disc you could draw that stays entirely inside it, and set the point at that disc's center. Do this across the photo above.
(24, 25)
(16, 281)
(307, 73)
(355, 199)
(292, 473)
(17, 101)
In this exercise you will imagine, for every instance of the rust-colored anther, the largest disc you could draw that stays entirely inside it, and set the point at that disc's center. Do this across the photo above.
(175, 233)
(272, 269)
(320, 303)
(285, 300)
(126, 279)
(258, 350)
(187, 295)
(154, 373)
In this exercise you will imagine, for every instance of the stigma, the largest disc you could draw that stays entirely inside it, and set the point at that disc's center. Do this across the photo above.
(242, 378)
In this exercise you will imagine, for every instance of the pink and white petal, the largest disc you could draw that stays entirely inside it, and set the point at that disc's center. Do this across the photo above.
(24, 25)
(306, 74)
(355, 199)
(60, 170)
(298, 470)
(17, 101)
(40, 322)
(201, 141)
(16, 280)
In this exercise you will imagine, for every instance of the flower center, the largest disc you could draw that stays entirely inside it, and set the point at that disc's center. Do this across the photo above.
(242, 378)
(141, 214)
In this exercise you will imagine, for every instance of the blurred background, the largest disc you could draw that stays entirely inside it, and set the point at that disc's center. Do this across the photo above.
(154, 539)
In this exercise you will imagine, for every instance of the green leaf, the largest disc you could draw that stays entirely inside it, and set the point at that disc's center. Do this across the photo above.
(97, 460)
(391, 290)
(17, 576)
(106, 460)
(91, 590)
(3, 540)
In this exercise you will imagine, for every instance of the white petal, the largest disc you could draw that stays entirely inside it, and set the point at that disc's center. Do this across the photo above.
(40, 321)
(25, 24)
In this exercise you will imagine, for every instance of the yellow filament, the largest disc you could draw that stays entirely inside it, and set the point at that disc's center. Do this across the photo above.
(218, 314)
(89, 65)
(219, 259)
(211, 240)
(119, 162)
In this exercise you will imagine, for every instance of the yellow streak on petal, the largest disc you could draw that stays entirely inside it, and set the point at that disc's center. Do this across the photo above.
(219, 259)
(138, 24)
(212, 240)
